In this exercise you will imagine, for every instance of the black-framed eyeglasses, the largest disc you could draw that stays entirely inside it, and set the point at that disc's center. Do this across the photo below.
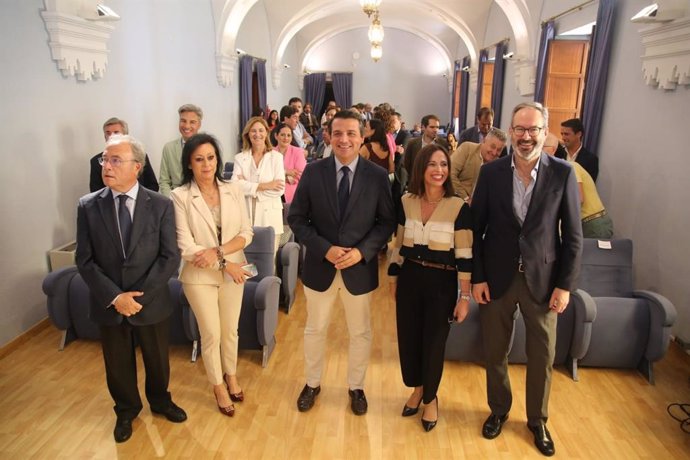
(114, 162)
(532, 130)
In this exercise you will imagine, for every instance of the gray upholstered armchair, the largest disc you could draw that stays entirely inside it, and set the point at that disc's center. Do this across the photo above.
(259, 315)
(632, 328)
(68, 303)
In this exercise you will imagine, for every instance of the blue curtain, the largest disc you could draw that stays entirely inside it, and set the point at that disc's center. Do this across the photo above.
(498, 81)
(315, 91)
(464, 94)
(260, 66)
(597, 73)
(245, 89)
(483, 56)
(342, 89)
(547, 34)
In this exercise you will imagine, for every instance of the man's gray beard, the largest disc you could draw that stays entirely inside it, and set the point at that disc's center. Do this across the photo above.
(536, 151)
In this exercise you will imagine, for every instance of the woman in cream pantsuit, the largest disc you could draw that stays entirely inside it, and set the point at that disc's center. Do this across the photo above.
(213, 228)
(260, 171)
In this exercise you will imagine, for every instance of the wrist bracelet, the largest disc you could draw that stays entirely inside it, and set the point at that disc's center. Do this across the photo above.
(221, 265)
(465, 297)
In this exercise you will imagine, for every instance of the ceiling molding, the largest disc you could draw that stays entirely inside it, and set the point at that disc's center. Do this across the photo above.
(666, 58)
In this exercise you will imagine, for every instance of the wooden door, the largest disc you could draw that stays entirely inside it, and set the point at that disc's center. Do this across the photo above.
(565, 82)
(487, 84)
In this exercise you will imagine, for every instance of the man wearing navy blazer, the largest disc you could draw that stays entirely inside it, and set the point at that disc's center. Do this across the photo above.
(476, 133)
(343, 214)
(527, 249)
(126, 253)
(571, 133)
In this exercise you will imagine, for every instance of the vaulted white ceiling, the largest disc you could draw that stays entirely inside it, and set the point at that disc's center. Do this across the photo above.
(454, 27)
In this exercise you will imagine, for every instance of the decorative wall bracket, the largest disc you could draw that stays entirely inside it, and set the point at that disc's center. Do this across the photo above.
(524, 76)
(666, 58)
(77, 45)
(277, 74)
(225, 68)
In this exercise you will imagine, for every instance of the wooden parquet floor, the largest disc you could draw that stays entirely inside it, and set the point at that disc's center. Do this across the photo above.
(55, 405)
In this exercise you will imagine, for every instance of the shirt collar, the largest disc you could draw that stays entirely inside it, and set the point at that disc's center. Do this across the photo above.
(132, 192)
(352, 165)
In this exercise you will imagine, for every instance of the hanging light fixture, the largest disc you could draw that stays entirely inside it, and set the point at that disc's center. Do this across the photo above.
(369, 6)
(376, 52)
(376, 31)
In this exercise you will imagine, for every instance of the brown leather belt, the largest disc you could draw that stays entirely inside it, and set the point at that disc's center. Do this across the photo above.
(594, 216)
(424, 263)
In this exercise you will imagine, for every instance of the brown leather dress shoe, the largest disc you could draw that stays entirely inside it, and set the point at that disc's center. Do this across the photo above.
(307, 398)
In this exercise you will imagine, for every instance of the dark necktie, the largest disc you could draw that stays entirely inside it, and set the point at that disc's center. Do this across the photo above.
(344, 190)
(125, 221)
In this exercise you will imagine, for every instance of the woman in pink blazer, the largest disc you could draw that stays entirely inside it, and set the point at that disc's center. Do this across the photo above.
(294, 160)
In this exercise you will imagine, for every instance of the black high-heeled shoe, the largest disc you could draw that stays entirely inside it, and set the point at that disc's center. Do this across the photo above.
(430, 424)
(410, 411)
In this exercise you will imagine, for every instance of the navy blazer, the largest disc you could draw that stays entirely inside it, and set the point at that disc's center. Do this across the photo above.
(589, 161)
(469, 135)
(550, 259)
(368, 223)
(152, 256)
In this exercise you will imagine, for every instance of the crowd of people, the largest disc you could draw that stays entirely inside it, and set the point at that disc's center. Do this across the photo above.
(494, 216)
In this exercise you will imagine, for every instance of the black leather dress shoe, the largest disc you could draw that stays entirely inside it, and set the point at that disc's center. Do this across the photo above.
(123, 429)
(172, 412)
(542, 439)
(358, 402)
(307, 397)
(493, 425)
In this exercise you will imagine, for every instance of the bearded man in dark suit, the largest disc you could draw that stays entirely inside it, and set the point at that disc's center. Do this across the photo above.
(126, 253)
(527, 249)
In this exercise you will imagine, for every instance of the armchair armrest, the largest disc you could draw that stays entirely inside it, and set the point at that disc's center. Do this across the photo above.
(662, 315)
(266, 304)
(585, 314)
(56, 288)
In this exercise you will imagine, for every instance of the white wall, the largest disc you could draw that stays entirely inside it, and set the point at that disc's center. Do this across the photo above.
(409, 76)
(643, 169)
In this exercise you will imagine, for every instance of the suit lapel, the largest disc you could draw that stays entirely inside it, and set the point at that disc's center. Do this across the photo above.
(202, 208)
(142, 212)
(539, 192)
(358, 181)
(506, 172)
(106, 206)
(329, 177)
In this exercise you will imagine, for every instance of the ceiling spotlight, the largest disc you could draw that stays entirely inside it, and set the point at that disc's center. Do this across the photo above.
(376, 52)
(376, 31)
(369, 6)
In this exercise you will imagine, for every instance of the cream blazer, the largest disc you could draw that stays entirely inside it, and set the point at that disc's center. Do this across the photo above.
(196, 229)
(269, 208)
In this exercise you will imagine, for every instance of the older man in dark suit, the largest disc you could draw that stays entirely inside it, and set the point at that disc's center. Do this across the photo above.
(527, 249)
(126, 253)
(476, 133)
(343, 214)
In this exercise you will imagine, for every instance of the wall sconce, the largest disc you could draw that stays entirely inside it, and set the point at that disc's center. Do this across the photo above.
(376, 52)
(376, 31)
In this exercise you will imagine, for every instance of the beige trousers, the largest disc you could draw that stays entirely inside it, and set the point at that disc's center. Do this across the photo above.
(217, 310)
(357, 315)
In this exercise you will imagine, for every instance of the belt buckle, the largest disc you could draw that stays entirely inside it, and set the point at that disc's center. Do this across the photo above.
(424, 264)
(521, 267)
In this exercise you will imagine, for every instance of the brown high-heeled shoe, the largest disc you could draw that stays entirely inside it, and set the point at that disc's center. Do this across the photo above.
(235, 397)
(229, 411)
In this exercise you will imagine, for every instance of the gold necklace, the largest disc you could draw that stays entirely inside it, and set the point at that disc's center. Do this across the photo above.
(432, 202)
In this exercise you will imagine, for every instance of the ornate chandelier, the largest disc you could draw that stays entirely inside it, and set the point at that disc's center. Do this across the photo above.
(376, 52)
(376, 31)
(369, 6)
